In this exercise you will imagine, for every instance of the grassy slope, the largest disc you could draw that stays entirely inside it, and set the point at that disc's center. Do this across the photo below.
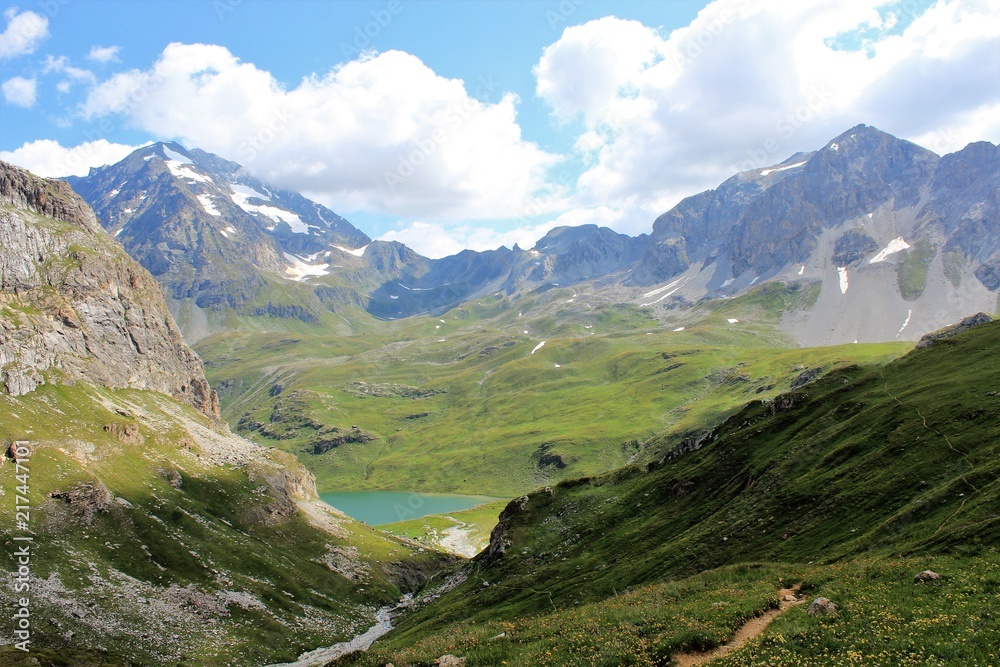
(510, 420)
(181, 532)
(870, 475)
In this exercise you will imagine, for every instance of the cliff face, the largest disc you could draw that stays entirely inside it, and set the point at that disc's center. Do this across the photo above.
(74, 306)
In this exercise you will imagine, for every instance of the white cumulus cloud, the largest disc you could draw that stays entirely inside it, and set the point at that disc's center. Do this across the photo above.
(20, 91)
(383, 132)
(50, 159)
(24, 32)
(104, 54)
(747, 84)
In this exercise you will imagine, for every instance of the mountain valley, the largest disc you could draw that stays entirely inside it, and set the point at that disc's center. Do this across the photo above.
(676, 426)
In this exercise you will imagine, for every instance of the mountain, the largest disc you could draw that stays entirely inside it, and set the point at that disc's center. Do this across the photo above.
(213, 235)
(156, 535)
(896, 241)
(222, 241)
(893, 240)
(900, 240)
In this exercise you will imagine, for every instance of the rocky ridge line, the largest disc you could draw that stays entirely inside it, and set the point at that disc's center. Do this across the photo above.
(74, 306)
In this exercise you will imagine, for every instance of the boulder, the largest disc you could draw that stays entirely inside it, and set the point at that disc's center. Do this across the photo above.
(822, 607)
(449, 660)
(926, 575)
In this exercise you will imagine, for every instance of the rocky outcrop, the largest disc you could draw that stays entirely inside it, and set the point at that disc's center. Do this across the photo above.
(971, 322)
(989, 274)
(85, 499)
(333, 437)
(74, 306)
(499, 540)
(853, 246)
(387, 390)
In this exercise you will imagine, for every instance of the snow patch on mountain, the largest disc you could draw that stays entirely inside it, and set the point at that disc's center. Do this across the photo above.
(240, 196)
(538, 347)
(844, 283)
(791, 166)
(242, 193)
(670, 293)
(182, 170)
(175, 156)
(206, 203)
(300, 270)
(358, 252)
(661, 289)
(895, 245)
(909, 314)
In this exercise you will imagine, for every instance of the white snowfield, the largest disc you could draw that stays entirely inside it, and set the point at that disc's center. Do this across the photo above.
(242, 193)
(844, 283)
(791, 166)
(301, 270)
(176, 157)
(666, 287)
(182, 166)
(895, 245)
(538, 347)
(661, 289)
(909, 314)
(358, 252)
(208, 205)
(184, 171)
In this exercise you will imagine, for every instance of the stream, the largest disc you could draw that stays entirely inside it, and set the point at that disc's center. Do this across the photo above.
(323, 655)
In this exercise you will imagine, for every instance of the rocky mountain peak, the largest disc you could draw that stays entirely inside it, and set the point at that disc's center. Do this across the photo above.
(74, 306)
(52, 199)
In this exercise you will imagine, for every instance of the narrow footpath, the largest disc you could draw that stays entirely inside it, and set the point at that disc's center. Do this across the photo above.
(752, 628)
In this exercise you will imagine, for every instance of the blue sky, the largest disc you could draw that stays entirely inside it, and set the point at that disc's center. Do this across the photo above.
(474, 124)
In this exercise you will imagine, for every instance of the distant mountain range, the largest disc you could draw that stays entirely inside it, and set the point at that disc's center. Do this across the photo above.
(892, 241)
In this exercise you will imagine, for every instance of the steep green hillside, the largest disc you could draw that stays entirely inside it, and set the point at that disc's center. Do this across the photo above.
(474, 402)
(849, 486)
(151, 525)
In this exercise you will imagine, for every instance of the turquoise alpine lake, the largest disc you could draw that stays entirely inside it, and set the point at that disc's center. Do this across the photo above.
(377, 508)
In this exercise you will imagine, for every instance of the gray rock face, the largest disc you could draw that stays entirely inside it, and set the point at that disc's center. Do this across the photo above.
(74, 306)
(852, 175)
(587, 251)
(853, 246)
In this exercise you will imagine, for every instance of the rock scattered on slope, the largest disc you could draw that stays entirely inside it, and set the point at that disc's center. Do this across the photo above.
(822, 607)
